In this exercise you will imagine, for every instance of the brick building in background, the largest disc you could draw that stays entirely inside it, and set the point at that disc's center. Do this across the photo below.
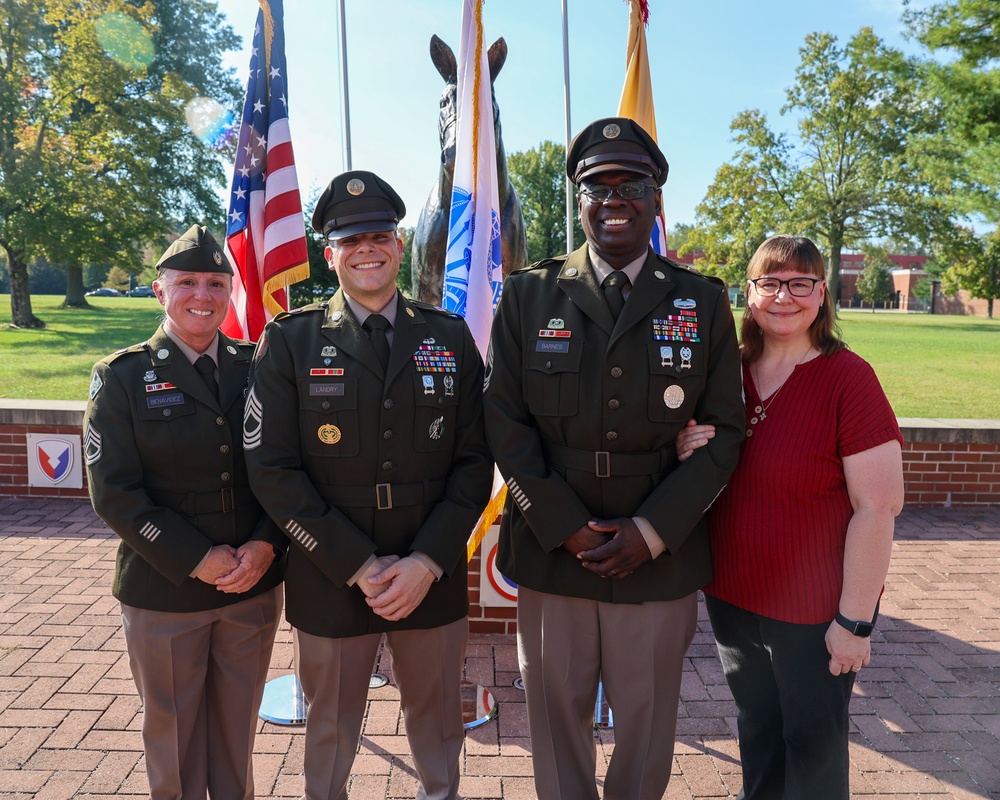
(908, 272)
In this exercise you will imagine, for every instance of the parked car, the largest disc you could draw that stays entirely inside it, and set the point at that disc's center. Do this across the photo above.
(104, 292)
(142, 291)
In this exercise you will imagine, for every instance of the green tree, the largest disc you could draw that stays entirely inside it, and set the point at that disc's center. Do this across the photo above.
(539, 178)
(875, 282)
(847, 177)
(404, 280)
(117, 279)
(96, 155)
(966, 89)
(975, 267)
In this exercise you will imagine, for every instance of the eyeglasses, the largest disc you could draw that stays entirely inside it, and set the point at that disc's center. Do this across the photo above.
(797, 287)
(601, 193)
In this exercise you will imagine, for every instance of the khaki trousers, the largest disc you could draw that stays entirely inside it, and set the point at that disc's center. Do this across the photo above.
(566, 645)
(427, 666)
(200, 676)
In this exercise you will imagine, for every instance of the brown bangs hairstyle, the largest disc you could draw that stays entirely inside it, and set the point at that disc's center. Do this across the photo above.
(783, 254)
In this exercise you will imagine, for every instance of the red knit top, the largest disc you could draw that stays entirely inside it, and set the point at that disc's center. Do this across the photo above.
(779, 527)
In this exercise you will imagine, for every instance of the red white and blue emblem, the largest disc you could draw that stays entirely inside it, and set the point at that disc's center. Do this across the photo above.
(503, 585)
(54, 458)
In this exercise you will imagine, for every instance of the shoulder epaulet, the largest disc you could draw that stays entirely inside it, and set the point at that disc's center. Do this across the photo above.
(555, 261)
(321, 306)
(435, 309)
(689, 268)
(135, 348)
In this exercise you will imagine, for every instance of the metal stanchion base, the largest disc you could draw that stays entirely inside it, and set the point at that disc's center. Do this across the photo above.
(603, 718)
(479, 705)
(283, 702)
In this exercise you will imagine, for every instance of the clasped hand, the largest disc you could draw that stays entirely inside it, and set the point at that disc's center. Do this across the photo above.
(611, 548)
(396, 586)
(236, 570)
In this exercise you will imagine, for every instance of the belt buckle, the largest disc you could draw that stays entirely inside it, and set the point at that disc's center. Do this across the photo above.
(383, 496)
(227, 499)
(602, 464)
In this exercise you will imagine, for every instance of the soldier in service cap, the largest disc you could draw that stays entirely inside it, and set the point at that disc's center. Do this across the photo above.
(598, 359)
(365, 439)
(198, 565)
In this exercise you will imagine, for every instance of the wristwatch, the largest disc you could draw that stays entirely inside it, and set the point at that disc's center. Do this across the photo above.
(863, 629)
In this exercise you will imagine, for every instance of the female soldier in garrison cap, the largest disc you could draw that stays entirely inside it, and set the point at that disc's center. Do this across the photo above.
(197, 573)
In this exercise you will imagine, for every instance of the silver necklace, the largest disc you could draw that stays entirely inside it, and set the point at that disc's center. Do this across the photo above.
(760, 410)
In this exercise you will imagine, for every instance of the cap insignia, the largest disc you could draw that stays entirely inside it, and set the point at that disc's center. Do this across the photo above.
(611, 131)
(355, 186)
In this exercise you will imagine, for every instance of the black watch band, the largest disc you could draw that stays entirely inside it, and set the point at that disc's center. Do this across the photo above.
(863, 629)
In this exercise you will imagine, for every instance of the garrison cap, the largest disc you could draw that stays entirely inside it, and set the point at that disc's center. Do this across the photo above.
(615, 143)
(357, 202)
(195, 251)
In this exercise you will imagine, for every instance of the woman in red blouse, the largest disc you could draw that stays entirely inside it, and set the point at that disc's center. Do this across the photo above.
(801, 536)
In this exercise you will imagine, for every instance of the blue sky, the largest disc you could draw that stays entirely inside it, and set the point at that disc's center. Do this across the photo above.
(710, 59)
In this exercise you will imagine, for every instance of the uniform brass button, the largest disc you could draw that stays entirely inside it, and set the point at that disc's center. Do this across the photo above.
(166, 412)
(387, 435)
(325, 405)
(611, 436)
(616, 372)
(548, 365)
(386, 466)
(224, 449)
(387, 403)
(225, 476)
(612, 403)
(220, 421)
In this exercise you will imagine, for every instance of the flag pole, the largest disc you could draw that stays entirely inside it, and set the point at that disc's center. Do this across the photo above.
(569, 128)
(343, 83)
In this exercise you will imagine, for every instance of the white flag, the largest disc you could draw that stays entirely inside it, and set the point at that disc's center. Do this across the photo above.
(473, 269)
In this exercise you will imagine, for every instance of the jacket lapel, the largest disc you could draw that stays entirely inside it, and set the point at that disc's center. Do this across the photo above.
(172, 366)
(577, 280)
(341, 327)
(232, 371)
(408, 334)
(652, 286)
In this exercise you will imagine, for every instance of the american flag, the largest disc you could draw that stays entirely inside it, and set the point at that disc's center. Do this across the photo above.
(265, 233)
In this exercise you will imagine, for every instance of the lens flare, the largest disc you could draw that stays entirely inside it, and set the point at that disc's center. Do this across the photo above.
(209, 121)
(125, 40)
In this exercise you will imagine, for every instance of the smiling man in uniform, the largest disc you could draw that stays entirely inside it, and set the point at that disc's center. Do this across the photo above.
(365, 443)
(597, 361)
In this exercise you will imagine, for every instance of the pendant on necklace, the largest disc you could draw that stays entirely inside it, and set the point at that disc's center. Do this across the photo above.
(763, 414)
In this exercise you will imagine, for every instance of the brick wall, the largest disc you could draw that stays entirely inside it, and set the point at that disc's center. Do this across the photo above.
(21, 417)
(945, 463)
(951, 462)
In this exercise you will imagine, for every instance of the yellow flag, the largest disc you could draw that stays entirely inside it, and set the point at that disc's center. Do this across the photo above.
(637, 94)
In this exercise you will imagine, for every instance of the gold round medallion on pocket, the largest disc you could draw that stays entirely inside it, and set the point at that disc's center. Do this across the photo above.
(673, 396)
(329, 434)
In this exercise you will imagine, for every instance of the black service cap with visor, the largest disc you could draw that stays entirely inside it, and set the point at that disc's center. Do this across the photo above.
(357, 202)
(615, 144)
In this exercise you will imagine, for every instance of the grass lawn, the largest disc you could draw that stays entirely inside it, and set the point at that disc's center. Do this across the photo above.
(930, 366)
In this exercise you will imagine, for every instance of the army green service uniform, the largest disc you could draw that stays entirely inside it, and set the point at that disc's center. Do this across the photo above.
(353, 464)
(166, 471)
(582, 414)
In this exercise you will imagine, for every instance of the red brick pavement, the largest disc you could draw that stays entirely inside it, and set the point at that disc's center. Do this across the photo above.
(926, 713)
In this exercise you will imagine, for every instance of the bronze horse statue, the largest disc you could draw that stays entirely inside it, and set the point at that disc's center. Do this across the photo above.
(430, 240)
